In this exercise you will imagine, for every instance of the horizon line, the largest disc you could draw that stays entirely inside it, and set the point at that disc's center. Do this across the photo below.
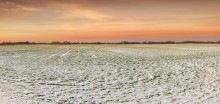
(98, 42)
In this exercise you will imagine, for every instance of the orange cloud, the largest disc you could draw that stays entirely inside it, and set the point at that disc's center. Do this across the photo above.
(10, 6)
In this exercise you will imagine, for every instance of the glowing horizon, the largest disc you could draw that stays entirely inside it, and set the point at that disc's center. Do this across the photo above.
(112, 20)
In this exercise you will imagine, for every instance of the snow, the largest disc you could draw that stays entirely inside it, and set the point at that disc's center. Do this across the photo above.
(49, 74)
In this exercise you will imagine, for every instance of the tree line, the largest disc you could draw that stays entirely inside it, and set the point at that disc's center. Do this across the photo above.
(122, 42)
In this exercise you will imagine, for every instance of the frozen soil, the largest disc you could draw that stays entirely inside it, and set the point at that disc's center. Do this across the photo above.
(58, 74)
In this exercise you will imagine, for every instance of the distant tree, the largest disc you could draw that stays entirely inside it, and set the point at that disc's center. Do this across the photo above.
(150, 42)
(144, 42)
(66, 42)
(169, 42)
(75, 43)
(55, 42)
(124, 42)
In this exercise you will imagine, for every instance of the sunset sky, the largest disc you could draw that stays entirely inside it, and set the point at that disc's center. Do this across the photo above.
(109, 20)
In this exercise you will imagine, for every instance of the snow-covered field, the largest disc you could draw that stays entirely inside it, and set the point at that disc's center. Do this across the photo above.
(181, 73)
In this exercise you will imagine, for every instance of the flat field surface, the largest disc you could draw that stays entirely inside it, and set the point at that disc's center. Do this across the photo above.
(50, 74)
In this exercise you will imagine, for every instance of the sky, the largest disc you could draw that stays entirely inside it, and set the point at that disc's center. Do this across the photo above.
(109, 20)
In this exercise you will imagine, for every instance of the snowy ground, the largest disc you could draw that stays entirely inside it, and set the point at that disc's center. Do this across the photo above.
(32, 74)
